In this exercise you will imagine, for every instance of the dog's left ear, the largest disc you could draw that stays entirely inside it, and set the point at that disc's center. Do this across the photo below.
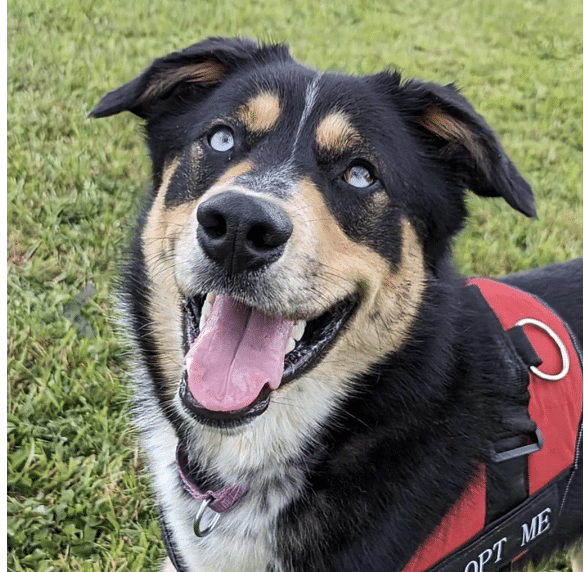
(458, 136)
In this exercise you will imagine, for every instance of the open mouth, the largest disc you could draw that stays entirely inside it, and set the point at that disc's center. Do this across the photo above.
(236, 356)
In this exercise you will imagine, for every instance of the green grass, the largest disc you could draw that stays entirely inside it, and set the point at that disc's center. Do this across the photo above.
(77, 495)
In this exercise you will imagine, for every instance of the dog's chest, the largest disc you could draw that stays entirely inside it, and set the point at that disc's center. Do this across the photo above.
(244, 539)
(245, 545)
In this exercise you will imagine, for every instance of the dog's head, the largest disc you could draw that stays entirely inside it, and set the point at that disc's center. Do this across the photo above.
(295, 221)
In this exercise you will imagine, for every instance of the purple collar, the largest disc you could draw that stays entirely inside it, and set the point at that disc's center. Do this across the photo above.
(220, 501)
(226, 498)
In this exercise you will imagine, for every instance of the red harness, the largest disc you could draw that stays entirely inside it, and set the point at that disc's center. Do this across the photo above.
(462, 541)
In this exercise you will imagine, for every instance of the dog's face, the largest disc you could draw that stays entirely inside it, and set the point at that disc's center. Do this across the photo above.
(295, 221)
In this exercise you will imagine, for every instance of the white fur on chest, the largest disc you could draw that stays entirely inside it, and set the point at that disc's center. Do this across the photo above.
(244, 538)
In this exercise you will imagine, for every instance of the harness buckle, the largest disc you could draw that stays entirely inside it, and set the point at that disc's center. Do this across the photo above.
(518, 451)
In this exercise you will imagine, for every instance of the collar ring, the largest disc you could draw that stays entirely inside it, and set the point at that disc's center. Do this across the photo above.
(197, 529)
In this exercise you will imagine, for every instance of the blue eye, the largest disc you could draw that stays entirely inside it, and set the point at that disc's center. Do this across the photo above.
(222, 139)
(359, 176)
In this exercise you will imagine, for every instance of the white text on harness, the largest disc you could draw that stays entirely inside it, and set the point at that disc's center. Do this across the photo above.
(527, 531)
(539, 524)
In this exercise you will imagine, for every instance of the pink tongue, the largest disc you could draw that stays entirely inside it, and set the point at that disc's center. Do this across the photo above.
(239, 351)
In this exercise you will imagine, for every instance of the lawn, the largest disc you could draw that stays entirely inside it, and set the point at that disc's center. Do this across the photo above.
(77, 495)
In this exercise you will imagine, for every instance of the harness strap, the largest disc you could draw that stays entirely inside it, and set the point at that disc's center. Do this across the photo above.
(506, 471)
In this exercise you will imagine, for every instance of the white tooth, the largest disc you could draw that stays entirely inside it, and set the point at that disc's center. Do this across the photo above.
(290, 345)
(206, 310)
(188, 362)
(298, 330)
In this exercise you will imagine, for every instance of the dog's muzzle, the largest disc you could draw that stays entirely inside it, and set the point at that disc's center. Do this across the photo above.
(237, 351)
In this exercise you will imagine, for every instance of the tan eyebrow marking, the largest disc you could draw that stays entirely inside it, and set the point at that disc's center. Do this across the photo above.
(261, 112)
(336, 133)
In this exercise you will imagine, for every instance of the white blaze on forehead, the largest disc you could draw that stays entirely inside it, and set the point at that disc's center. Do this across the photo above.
(309, 101)
(283, 176)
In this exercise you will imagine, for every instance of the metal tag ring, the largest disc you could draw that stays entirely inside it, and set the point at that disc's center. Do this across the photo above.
(560, 345)
(201, 532)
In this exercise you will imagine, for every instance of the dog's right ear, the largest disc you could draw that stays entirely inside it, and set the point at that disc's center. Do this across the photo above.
(203, 65)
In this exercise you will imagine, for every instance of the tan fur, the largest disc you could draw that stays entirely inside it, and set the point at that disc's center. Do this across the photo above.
(336, 134)
(162, 228)
(390, 297)
(447, 127)
(206, 73)
(320, 267)
(261, 112)
(232, 173)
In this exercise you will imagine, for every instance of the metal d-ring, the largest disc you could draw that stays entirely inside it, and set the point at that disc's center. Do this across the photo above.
(197, 523)
(559, 344)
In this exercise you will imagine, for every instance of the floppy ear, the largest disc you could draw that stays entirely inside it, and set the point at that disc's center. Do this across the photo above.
(204, 65)
(458, 136)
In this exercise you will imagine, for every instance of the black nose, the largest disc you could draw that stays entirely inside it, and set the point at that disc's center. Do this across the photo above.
(242, 232)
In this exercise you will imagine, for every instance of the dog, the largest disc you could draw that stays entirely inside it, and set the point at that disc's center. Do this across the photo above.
(315, 385)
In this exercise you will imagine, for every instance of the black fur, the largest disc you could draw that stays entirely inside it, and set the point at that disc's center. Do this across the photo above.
(457, 378)
(402, 449)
